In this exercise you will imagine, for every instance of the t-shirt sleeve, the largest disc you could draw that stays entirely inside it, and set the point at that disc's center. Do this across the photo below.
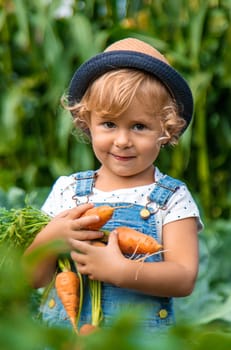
(60, 196)
(182, 205)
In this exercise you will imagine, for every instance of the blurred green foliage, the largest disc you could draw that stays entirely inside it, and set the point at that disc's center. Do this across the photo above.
(43, 42)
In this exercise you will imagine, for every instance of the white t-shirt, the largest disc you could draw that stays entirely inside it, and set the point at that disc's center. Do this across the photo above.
(180, 206)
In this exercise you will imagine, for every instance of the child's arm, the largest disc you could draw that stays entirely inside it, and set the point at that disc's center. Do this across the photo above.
(175, 276)
(65, 226)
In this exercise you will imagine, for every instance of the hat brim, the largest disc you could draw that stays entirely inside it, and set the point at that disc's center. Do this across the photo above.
(107, 61)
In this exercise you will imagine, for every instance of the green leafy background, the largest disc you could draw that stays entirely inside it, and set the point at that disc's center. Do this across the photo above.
(41, 44)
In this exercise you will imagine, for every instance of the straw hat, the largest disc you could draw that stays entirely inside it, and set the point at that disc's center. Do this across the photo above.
(136, 54)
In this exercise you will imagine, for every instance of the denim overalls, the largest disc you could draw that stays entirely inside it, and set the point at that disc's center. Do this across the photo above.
(157, 312)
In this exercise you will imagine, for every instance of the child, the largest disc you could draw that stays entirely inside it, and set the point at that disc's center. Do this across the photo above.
(130, 102)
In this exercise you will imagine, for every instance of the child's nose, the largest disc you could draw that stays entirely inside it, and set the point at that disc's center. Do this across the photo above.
(123, 139)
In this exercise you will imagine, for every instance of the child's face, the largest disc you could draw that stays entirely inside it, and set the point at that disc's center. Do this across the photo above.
(128, 145)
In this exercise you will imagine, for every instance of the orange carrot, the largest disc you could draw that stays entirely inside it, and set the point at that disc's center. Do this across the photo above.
(87, 329)
(68, 286)
(97, 243)
(105, 213)
(132, 241)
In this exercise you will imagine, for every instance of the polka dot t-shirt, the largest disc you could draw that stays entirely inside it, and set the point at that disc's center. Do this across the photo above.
(180, 206)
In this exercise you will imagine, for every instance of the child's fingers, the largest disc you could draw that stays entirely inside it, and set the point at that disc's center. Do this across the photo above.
(84, 222)
(79, 246)
(80, 262)
(113, 239)
(84, 235)
(78, 257)
(76, 212)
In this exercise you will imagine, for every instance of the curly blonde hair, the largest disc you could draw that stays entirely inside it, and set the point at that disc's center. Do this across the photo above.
(112, 93)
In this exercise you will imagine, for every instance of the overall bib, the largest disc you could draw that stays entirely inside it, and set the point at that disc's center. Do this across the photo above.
(157, 312)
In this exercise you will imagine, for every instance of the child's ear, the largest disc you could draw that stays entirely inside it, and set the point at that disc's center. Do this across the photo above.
(163, 140)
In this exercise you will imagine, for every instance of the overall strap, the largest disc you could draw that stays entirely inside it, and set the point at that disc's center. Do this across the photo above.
(164, 189)
(84, 182)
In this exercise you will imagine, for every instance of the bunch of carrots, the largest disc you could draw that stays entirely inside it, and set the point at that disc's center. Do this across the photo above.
(18, 227)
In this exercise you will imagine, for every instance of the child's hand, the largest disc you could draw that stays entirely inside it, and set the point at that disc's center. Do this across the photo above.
(101, 263)
(70, 225)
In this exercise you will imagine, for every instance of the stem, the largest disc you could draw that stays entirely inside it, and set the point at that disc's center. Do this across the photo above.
(64, 264)
(80, 296)
(95, 289)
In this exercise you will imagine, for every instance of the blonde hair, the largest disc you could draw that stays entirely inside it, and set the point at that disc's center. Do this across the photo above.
(112, 93)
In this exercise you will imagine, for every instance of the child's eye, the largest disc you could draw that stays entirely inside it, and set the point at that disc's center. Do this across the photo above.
(109, 125)
(139, 127)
